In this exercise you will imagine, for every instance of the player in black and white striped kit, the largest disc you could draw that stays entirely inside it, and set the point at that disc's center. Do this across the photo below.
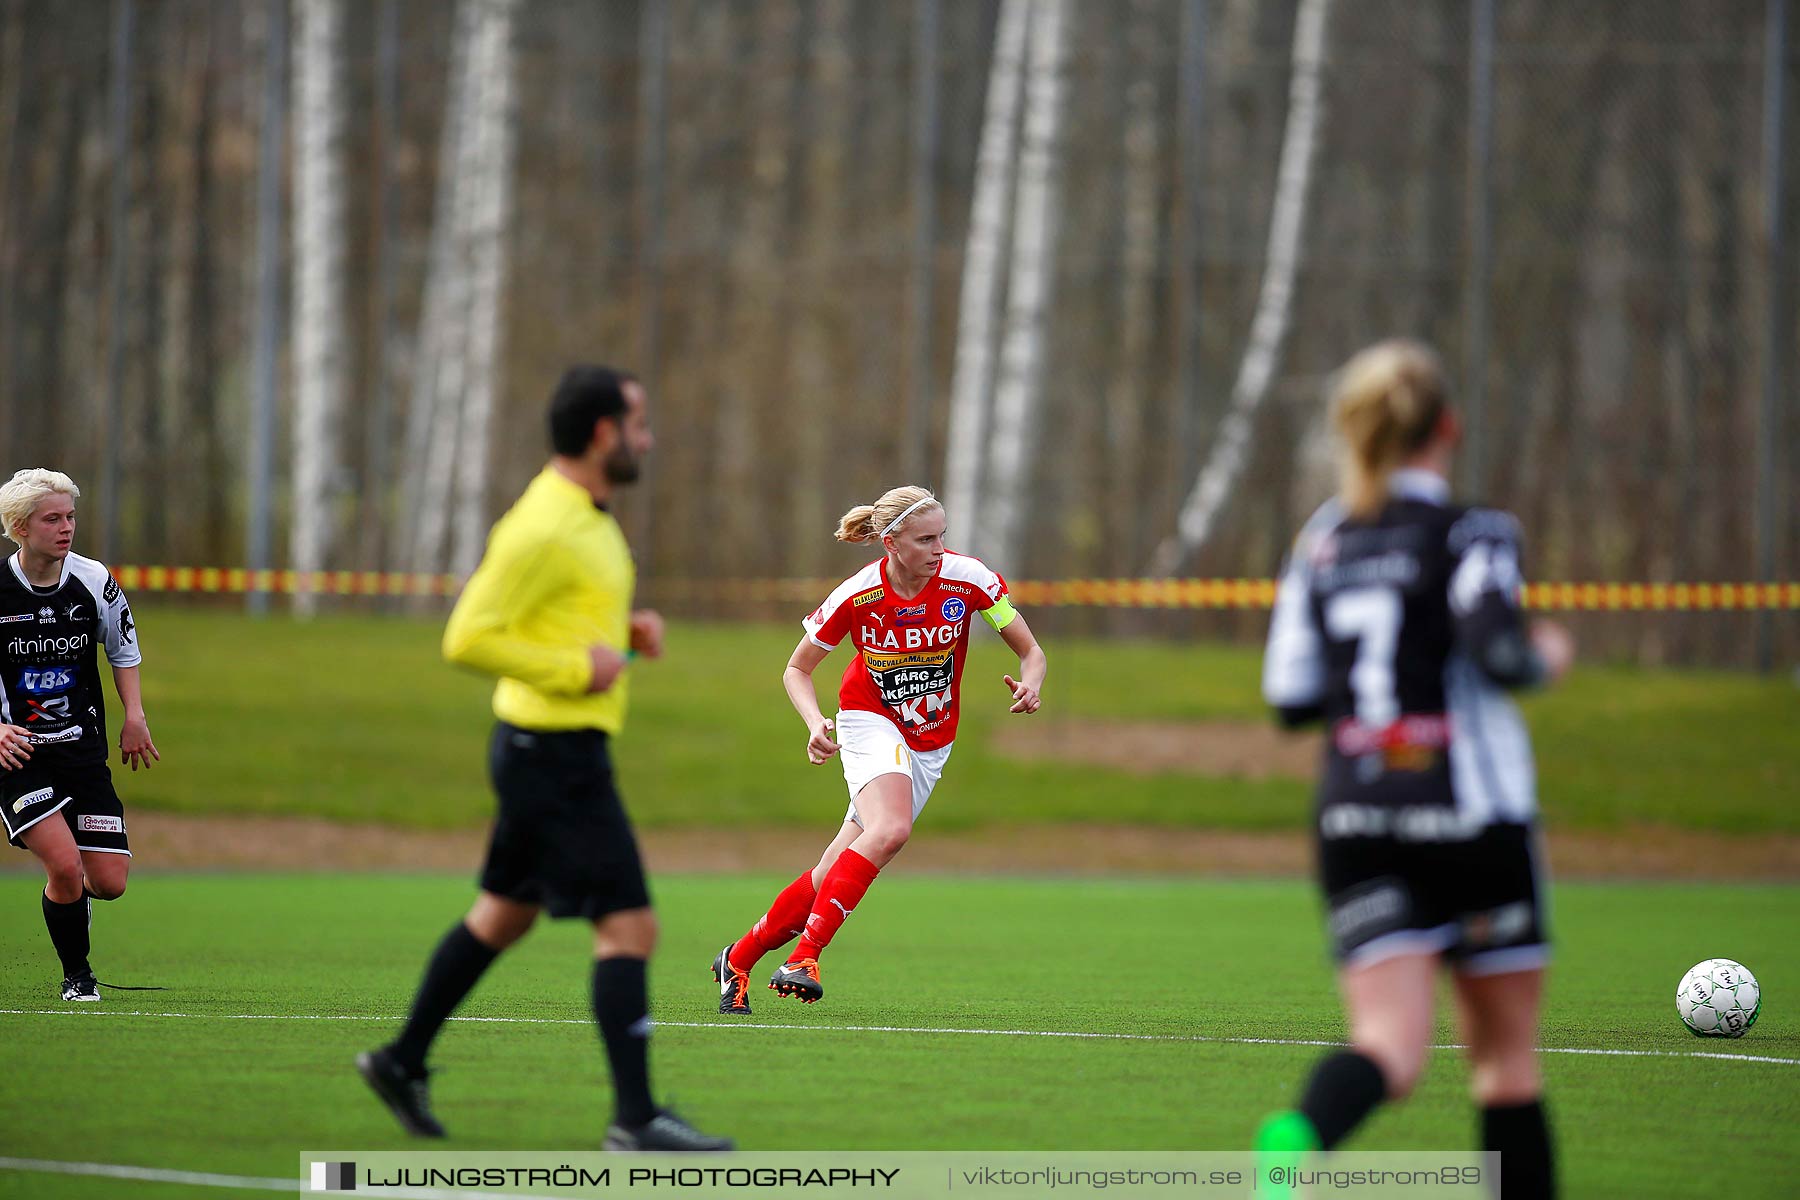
(1397, 625)
(57, 610)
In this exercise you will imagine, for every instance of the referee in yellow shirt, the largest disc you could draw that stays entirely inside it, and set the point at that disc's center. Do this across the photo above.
(548, 613)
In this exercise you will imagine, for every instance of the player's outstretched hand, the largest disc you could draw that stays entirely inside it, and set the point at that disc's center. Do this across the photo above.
(135, 746)
(15, 747)
(1555, 645)
(647, 632)
(1025, 697)
(820, 747)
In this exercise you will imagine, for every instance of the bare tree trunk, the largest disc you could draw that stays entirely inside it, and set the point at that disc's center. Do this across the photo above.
(1274, 309)
(490, 214)
(990, 214)
(142, 407)
(445, 373)
(1126, 395)
(1017, 391)
(752, 317)
(818, 331)
(438, 368)
(210, 509)
(12, 66)
(319, 333)
(384, 232)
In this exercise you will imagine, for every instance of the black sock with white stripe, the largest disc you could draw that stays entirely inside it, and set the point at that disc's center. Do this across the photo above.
(622, 1010)
(68, 926)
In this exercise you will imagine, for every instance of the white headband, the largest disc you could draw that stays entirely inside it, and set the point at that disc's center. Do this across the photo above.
(910, 509)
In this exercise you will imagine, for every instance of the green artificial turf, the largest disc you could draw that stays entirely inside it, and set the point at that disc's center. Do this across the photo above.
(357, 719)
(262, 967)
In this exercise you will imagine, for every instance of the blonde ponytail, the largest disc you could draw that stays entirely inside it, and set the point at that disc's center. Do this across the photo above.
(868, 522)
(1385, 406)
(857, 525)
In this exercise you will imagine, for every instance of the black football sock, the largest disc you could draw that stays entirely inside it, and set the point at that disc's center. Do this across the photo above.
(622, 1010)
(450, 975)
(68, 925)
(1344, 1088)
(1521, 1134)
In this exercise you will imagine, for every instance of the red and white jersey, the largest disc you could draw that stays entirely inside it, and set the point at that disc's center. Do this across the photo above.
(910, 653)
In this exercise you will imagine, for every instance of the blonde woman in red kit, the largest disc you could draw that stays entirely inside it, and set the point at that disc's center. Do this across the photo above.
(907, 616)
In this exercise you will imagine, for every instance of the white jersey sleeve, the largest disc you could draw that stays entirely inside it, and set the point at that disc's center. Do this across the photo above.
(994, 603)
(827, 624)
(1294, 661)
(117, 629)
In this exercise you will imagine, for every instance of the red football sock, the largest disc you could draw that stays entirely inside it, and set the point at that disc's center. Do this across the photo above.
(784, 921)
(845, 883)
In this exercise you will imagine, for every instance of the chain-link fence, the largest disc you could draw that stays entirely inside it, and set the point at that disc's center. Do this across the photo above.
(765, 209)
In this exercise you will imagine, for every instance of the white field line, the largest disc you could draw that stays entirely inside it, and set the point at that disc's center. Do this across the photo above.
(1049, 1033)
(207, 1179)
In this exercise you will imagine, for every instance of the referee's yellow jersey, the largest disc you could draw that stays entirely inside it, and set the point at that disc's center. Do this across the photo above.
(557, 578)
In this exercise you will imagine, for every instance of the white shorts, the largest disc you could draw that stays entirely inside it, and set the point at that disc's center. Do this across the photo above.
(871, 745)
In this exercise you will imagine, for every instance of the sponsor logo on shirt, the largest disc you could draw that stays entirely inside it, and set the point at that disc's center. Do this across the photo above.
(46, 615)
(16, 617)
(917, 636)
(30, 798)
(111, 592)
(89, 823)
(957, 588)
(47, 645)
(48, 682)
(912, 614)
(868, 597)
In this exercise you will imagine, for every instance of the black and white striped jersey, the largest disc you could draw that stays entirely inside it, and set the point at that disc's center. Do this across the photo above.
(49, 660)
(1402, 634)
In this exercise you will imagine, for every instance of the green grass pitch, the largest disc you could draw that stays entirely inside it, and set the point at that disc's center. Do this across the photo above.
(357, 719)
(249, 1075)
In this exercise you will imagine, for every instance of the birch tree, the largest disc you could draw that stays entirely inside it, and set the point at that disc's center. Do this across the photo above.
(1274, 308)
(1019, 386)
(440, 374)
(319, 301)
(756, 310)
(1126, 397)
(490, 212)
(459, 343)
(818, 329)
(990, 212)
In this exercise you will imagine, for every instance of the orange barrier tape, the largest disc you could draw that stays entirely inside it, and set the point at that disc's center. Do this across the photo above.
(238, 580)
(1059, 593)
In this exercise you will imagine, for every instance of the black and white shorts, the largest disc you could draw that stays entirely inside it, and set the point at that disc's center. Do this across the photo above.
(1477, 901)
(81, 791)
(561, 840)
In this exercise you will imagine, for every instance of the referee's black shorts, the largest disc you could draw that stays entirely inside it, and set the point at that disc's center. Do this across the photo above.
(561, 840)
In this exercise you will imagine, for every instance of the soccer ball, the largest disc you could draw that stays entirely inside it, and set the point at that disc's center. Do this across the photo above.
(1718, 998)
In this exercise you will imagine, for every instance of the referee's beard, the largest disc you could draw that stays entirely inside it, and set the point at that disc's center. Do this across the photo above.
(621, 466)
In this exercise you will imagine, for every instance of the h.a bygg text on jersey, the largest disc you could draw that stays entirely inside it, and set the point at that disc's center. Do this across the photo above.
(910, 650)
